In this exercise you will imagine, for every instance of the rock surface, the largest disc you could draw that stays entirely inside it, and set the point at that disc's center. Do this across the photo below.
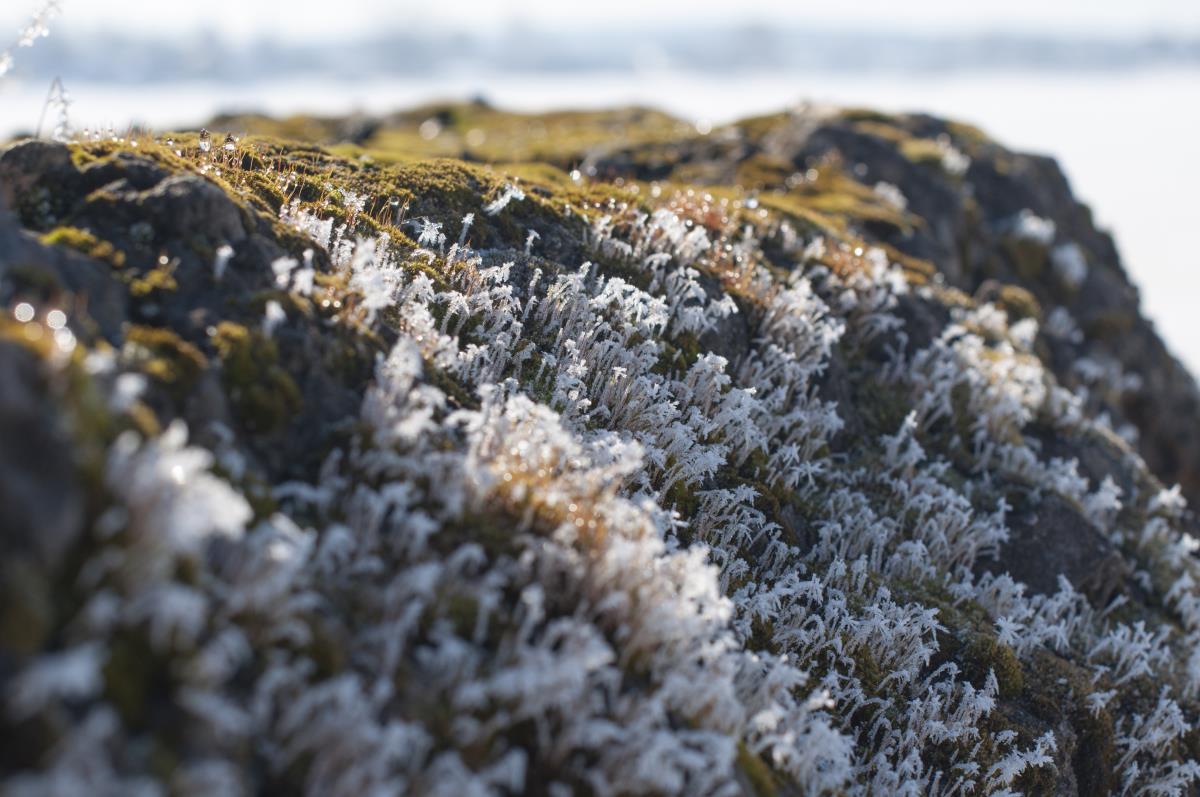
(842, 467)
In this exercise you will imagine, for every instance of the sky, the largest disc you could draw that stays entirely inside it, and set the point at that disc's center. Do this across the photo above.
(317, 18)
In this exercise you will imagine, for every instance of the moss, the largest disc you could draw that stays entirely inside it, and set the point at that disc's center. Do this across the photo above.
(764, 171)
(478, 132)
(1108, 325)
(133, 675)
(1019, 303)
(462, 611)
(922, 151)
(167, 357)
(969, 637)
(983, 654)
(1056, 690)
(866, 115)
(757, 773)
(85, 242)
(1029, 258)
(159, 279)
(455, 392)
(883, 128)
(26, 606)
(867, 669)
(832, 201)
(144, 420)
(40, 208)
(264, 395)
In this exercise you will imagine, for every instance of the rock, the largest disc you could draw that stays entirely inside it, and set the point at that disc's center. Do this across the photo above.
(45, 274)
(385, 516)
(43, 510)
(185, 206)
(1053, 538)
(24, 165)
(42, 516)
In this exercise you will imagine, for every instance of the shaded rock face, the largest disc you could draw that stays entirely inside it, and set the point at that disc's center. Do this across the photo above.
(454, 513)
(42, 506)
(1054, 539)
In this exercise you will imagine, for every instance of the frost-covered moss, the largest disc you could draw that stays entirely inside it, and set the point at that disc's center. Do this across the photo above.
(697, 489)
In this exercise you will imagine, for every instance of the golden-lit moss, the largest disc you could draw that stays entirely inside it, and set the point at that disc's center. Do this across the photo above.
(166, 357)
(883, 128)
(922, 150)
(85, 242)
(834, 202)
(264, 395)
(158, 279)
(1019, 303)
(475, 131)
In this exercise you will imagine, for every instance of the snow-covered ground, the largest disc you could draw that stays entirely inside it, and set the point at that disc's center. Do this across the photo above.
(1125, 137)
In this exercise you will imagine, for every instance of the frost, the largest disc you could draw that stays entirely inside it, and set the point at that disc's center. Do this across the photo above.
(273, 316)
(954, 160)
(892, 195)
(1070, 264)
(221, 261)
(283, 268)
(1028, 226)
(510, 193)
(565, 545)
(173, 500)
(72, 674)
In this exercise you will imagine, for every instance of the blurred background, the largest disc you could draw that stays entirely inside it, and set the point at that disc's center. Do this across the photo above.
(1112, 89)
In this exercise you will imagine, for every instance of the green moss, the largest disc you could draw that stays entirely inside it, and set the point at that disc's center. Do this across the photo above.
(40, 208)
(983, 654)
(85, 242)
(478, 132)
(264, 395)
(26, 606)
(883, 129)
(133, 675)
(832, 201)
(1108, 325)
(159, 279)
(1019, 303)
(167, 357)
(1029, 258)
(756, 771)
(969, 637)
(866, 115)
(924, 151)
(867, 669)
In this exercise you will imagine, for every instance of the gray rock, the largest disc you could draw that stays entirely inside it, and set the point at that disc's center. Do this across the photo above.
(42, 505)
(1052, 537)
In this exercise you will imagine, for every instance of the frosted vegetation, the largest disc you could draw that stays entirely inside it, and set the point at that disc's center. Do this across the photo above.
(541, 561)
(565, 581)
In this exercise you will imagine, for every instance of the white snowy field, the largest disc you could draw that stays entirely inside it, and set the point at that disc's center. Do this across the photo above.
(1125, 137)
